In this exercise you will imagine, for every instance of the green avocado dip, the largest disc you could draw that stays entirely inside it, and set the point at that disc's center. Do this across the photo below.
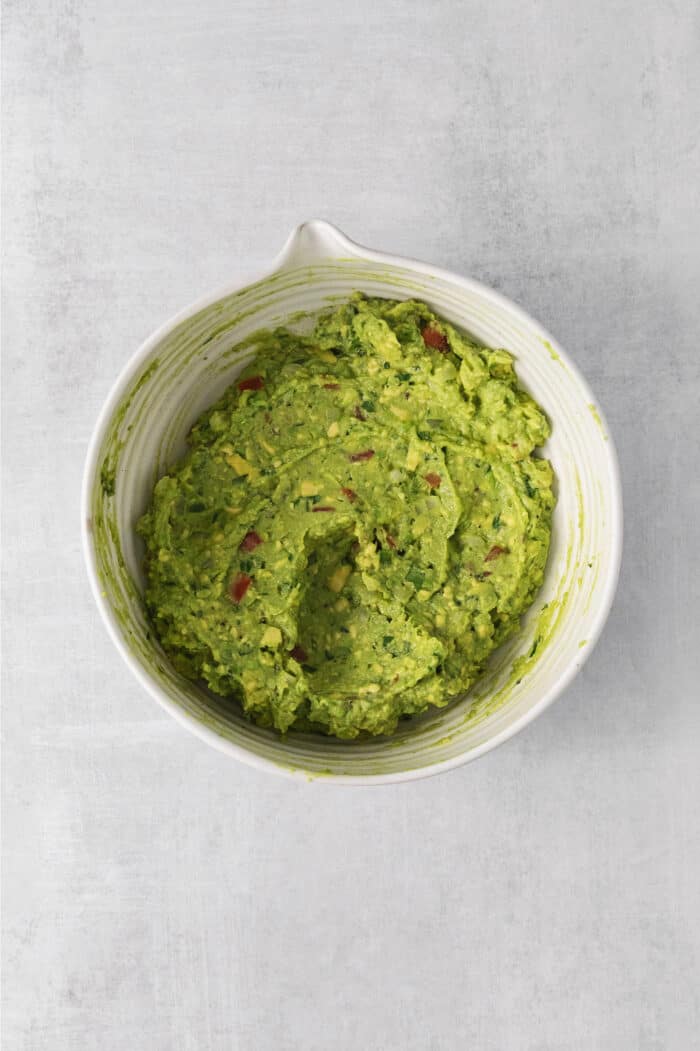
(358, 523)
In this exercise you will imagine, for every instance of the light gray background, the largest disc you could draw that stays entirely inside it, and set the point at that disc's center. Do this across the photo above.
(160, 896)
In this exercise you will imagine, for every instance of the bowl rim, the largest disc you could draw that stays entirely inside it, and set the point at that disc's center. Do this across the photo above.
(327, 234)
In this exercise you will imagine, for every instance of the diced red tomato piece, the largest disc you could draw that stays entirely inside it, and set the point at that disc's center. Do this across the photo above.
(238, 586)
(495, 552)
(366, 455)
(323, 508)
(331, 386)
(299, 654)
(358, 413)
(390, 541)
(349, 494)
(433, 338)
(250, 541)
(252, 383)
(433, 480)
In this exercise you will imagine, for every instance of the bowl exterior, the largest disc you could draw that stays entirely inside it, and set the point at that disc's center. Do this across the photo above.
(184, 367)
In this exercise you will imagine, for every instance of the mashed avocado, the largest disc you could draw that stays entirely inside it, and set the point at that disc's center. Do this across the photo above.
(359, 522)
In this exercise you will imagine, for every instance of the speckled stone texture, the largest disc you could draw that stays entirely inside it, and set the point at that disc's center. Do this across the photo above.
(157, 895)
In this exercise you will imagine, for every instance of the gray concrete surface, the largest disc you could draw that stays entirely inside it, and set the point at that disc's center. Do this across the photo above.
(158, 895)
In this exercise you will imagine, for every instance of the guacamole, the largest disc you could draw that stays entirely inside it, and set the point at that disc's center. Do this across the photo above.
(359, 522)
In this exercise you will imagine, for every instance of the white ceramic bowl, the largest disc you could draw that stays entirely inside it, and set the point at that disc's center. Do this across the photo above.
(183, 368)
